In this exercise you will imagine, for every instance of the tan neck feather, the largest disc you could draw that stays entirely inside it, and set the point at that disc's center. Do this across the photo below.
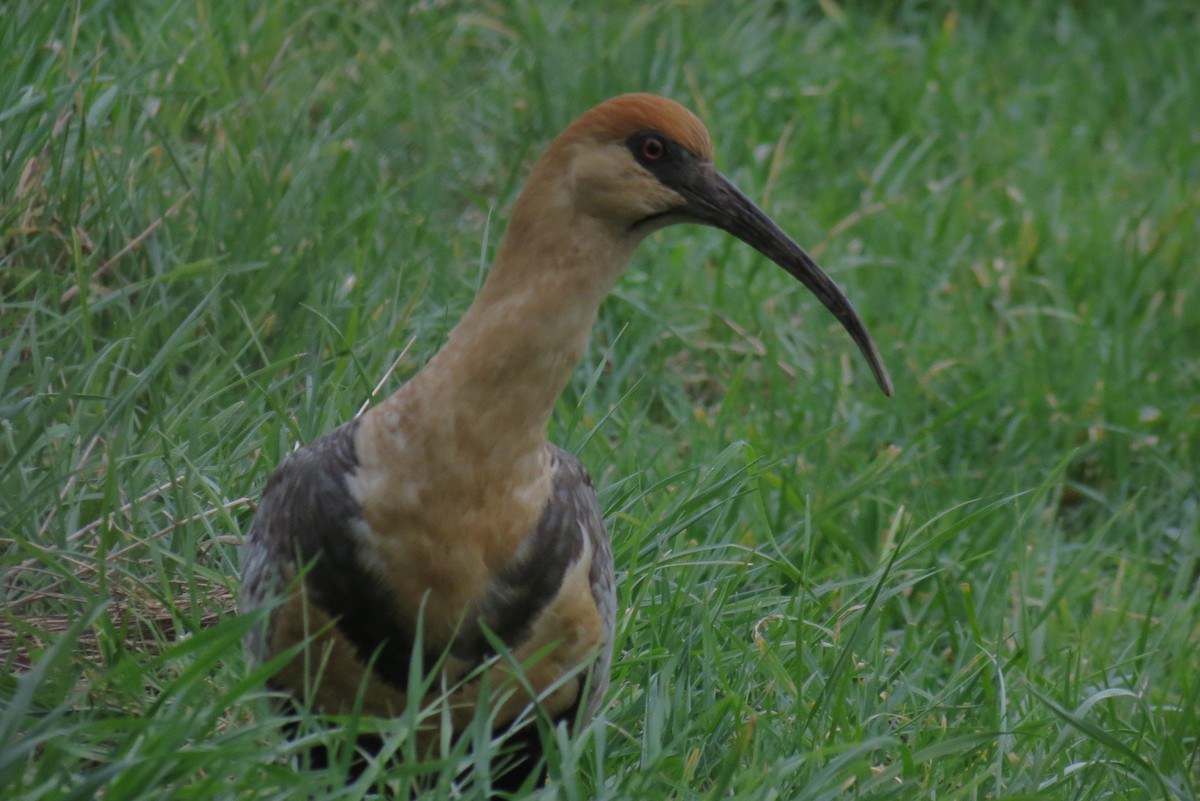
(492, 388)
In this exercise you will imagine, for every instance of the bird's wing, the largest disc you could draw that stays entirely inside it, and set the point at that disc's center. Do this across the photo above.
(560, 580)
(306, 522)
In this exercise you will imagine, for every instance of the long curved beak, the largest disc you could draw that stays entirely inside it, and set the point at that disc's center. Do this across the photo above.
(713, 200)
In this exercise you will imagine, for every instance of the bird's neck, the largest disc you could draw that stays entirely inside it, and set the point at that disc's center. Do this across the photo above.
(493, 386)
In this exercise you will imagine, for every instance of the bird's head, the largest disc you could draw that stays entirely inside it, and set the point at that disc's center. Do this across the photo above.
(639, 162)
(627, 161)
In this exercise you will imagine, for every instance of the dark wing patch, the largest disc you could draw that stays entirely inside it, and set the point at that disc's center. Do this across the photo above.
(518, 593)
(308, 514)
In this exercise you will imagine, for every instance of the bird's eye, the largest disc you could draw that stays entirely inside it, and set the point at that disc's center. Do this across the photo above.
(653, 148)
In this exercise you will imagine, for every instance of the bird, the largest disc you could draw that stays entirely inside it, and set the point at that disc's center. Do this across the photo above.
(440, 529)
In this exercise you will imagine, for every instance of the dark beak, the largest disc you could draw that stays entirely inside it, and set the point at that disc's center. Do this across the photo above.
(713, 200)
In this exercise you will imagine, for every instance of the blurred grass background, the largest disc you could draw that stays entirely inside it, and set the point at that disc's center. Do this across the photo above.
(221, 224)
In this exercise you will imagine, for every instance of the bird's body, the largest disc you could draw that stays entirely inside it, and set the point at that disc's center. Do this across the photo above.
(555, 585)
(443, 510)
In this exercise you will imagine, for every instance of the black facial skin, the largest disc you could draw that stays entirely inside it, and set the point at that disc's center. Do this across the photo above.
(669, 161)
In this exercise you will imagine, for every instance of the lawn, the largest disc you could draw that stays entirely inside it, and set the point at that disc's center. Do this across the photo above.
(225, 228)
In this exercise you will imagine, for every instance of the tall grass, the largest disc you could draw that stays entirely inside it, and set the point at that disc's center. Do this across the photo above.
(221, 225)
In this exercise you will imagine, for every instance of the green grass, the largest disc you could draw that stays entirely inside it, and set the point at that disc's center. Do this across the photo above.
(220, 225)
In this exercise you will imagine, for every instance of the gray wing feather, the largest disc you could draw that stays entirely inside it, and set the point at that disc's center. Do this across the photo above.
(604, 590)
(518, 594)
(305, 522)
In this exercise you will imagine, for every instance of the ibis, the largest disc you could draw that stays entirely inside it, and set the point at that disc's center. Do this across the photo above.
(440, 530)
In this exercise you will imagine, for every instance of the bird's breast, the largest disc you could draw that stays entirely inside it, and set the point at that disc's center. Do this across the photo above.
(439, 533)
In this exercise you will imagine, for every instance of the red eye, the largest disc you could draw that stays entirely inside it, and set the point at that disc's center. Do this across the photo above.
(653, 148)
